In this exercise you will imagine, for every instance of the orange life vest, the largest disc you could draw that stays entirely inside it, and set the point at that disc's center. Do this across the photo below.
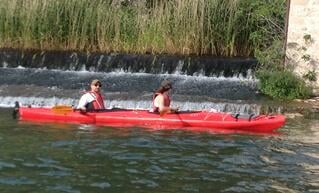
(167, 101)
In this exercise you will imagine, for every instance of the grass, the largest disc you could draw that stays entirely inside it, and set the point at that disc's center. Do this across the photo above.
(200, 27)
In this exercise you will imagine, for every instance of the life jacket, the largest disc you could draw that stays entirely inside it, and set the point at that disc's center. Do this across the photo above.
(97, 103)
(167, 101)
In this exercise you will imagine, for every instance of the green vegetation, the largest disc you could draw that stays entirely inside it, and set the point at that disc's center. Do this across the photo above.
(275, 79)
(213, 27)
(311, 75)
(283, 85)
(278, 81)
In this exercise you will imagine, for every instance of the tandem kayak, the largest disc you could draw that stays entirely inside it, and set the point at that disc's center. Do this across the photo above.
(196, 120)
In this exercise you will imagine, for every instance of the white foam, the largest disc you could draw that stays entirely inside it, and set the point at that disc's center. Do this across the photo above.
(121, 72)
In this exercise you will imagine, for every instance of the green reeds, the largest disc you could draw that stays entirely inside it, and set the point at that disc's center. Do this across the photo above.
(213, 27)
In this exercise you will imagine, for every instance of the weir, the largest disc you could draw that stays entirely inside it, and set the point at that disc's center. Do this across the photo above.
(154, 64)
(50, 78)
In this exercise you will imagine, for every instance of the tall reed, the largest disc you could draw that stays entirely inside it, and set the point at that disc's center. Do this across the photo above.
(213, 27)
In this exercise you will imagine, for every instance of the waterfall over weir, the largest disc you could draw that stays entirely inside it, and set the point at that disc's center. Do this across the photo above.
(47, 79)
(153, 64)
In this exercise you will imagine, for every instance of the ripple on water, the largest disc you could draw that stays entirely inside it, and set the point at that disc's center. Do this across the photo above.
(141, 142)
(190, 188)
(145, 182)
(155, 169)
(6, 165)
(132, 171)
(16, 181)
(64, 143)
(63, 188)
(130, 156)
(101, 185)
(56, 174)
(249, 186)
(41, 165)
(46, 163)
(282, 188)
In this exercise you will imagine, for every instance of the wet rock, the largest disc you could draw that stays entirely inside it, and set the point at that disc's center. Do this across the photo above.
(293, 115)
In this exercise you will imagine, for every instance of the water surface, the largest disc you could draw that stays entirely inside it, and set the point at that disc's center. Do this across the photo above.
(55, 158)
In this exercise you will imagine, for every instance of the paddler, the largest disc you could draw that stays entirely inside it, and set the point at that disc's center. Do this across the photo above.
(162, 100)
(92, 100)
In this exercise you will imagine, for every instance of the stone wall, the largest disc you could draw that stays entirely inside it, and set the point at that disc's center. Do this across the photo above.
(302, 53)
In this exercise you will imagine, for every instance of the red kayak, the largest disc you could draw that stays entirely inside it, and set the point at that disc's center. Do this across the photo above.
(197, 120)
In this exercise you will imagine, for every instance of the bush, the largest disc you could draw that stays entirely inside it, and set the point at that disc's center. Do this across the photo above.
(282, 85)
(270, 57)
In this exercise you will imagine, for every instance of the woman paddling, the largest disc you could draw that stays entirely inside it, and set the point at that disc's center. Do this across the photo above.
(92, 100)
(161, 99)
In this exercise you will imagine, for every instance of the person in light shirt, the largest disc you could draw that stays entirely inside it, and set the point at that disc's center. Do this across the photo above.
(93, 99)
(161, 99)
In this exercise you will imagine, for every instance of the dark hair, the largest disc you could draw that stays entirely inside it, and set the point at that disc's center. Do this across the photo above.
(165, 86)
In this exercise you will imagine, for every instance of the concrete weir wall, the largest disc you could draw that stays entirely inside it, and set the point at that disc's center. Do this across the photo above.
(302, 51)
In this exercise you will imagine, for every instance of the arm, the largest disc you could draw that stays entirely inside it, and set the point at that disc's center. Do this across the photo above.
(84, 100)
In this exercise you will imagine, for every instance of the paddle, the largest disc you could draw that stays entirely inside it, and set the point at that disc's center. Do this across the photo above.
(61, 109)
(166, 111)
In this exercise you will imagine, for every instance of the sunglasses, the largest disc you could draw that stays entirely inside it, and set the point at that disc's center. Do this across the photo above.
(98, 85)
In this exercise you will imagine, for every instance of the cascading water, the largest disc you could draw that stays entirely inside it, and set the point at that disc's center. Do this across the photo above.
(47, 79)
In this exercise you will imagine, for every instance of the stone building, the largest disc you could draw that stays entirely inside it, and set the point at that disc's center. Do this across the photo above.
(302, 48)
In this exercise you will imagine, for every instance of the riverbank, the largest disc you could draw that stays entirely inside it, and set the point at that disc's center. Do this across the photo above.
(308, 107)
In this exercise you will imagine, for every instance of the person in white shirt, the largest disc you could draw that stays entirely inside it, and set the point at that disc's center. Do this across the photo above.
(92, 100)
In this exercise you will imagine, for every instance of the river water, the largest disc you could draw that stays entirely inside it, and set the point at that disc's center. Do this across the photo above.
(55, 158)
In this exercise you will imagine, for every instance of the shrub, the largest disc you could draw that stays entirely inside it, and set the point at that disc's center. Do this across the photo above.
(270, 57)
(311, 75)
(282, 85)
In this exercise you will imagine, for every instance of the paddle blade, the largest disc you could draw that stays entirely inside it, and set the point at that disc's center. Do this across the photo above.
(62, 109)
